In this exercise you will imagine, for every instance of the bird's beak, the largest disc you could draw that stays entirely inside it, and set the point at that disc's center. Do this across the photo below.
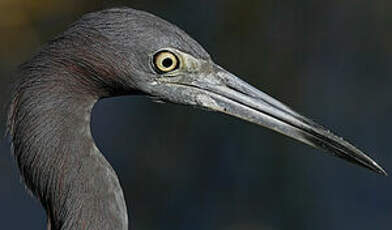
(221, 91)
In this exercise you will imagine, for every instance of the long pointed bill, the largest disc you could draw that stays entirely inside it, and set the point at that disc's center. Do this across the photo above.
(224, 92)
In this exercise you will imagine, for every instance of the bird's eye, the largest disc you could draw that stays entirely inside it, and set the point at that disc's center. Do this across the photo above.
(165, 61)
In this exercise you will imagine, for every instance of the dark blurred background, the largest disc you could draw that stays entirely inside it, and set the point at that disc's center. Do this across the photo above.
(187, 169)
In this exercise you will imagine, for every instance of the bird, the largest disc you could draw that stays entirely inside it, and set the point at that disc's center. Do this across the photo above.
(115, 52)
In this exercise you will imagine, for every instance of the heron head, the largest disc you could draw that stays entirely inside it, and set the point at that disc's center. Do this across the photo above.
(166, 63)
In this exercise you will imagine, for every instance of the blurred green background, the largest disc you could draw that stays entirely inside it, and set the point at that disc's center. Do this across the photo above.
(188, 169)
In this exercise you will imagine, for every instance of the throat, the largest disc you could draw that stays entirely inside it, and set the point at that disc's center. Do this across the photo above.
(62, 166)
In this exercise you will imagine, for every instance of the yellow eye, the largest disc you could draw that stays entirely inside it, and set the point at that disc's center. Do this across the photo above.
(165, 61)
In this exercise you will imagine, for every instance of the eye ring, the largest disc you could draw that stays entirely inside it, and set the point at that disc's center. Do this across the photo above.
(165, 61)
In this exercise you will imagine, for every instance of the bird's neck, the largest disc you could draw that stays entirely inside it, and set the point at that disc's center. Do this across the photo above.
(49, 123)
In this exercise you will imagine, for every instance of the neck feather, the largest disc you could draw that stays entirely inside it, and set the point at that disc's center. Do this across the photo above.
(49, 124)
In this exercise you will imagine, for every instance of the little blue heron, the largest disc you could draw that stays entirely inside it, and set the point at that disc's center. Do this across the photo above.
(118, 52)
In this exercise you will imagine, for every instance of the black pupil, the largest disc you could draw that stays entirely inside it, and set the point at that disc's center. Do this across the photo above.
(167, 62)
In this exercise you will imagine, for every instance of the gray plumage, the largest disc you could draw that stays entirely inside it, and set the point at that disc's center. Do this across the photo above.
(106, 54)
(49, 118)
